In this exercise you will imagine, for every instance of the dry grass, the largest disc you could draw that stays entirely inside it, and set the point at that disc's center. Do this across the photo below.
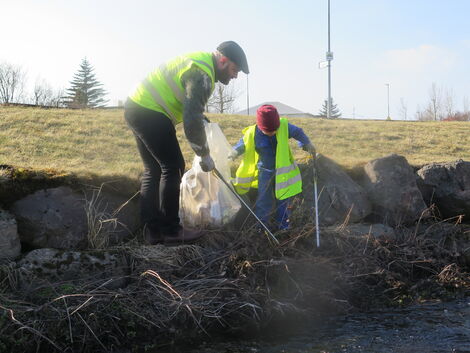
(193, 292)
(98, 144)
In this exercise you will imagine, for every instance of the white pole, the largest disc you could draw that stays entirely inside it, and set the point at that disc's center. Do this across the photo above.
(315, 195)
(317, 225)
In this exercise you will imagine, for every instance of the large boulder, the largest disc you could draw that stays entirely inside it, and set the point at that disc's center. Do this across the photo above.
(447, 185)
(340, 198)
(391, 186)
(10, 246)
(52, 218)
(64, 219)
(114, 216)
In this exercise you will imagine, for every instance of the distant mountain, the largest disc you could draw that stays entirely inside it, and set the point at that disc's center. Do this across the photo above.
(283, 109)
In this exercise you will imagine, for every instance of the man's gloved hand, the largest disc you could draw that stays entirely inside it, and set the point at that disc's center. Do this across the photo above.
(310, 149)
(207, 163)
(232, 155)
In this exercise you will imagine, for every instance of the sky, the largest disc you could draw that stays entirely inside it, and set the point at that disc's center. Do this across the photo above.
(408, 45)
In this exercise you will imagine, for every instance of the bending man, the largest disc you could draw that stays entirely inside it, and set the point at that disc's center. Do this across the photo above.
(175, 92)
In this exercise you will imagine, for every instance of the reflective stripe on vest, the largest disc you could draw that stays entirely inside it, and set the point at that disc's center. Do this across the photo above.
(288, 179)
(163, 90)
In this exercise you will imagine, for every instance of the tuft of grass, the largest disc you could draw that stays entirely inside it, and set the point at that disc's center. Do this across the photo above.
(96, 145)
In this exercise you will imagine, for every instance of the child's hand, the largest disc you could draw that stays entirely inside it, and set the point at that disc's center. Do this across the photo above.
(310, 149)
(232, 155)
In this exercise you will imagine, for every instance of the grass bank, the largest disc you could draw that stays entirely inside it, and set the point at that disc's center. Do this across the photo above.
(98, 144)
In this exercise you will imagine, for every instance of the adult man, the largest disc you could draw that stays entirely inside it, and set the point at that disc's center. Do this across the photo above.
(173, 93)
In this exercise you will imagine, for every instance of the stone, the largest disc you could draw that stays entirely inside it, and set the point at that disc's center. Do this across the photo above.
(391, 187)
(114, 215)
(10, 246)
(447, 185)
(64, 219)
(340, 197)
(52, 218)
(86, 266)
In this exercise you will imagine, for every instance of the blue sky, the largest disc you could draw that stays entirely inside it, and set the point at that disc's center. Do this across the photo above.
(408, 44)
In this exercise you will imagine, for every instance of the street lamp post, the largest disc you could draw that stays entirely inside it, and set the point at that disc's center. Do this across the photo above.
(329, 57)
(388, 100)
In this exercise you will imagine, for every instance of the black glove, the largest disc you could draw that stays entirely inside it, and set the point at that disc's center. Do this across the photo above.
(207, 163)
(310, 149)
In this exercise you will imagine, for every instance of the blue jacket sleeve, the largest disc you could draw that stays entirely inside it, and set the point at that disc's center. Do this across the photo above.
(240, 147)
(298, 134)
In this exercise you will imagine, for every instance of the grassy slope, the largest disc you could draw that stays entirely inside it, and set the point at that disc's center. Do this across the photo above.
(98, 142)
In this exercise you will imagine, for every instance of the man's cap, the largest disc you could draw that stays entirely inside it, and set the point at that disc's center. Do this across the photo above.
(267, 118)
(235, 53)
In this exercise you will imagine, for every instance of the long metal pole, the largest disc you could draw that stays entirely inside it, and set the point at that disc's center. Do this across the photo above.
(315, 194)
(217, 173)
(328, 58)
(388, 100)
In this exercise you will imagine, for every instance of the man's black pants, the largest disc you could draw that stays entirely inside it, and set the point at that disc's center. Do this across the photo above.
(163, 167)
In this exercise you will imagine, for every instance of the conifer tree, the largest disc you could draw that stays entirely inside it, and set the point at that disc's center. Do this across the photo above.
(85, 90)
(334, 112)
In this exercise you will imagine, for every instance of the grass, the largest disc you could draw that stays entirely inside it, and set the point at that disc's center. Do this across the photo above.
(97, 144)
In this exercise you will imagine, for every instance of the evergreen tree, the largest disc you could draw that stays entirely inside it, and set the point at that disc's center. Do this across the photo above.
(85, 90)
(334, 112)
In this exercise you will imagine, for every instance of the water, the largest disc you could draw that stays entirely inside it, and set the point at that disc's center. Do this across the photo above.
(425, 328)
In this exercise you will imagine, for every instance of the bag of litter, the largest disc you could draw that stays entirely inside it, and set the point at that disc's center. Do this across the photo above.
(205, 201)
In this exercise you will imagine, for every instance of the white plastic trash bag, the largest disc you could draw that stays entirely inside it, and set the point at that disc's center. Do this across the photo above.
(205, 201)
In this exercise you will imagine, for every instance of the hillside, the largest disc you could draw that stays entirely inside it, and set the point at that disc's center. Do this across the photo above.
(98, 144)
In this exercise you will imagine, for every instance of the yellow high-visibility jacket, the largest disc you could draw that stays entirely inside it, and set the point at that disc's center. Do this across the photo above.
(163, 90)
(288, 180)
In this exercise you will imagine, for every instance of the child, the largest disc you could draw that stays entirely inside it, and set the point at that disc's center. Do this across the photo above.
(268, 164)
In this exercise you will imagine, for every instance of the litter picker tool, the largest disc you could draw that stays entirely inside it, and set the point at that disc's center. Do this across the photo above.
(217, 173)
(315, 194)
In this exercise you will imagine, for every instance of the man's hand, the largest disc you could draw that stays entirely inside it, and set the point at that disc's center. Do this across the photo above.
(207, 163)
(310, 149)
(232, 155)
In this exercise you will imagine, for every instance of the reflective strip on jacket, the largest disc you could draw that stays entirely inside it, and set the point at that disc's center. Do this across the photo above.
(163, 90)
(288, 180)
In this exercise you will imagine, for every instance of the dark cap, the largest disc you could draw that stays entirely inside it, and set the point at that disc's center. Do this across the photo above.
(235, 53)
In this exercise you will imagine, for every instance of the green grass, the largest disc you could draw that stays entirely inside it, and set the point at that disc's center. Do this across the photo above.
(98, 144)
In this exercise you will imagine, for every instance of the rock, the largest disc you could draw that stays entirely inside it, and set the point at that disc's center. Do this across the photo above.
(64, 219)
(115, 216)
(340, 198)
(448, 186)
(391, 186)
(52, 218)
(10, 246)
(58, 265)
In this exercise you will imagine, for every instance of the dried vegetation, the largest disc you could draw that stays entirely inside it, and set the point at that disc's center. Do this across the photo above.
(233, 282)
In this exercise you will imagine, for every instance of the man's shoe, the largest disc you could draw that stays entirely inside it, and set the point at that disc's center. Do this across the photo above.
(182, 236)
(152, 237)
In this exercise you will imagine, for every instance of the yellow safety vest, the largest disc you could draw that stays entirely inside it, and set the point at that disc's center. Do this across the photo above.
(163, 90)
(288, 180)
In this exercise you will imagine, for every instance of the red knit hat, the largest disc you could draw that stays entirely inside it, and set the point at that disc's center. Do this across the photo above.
(267, 118)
